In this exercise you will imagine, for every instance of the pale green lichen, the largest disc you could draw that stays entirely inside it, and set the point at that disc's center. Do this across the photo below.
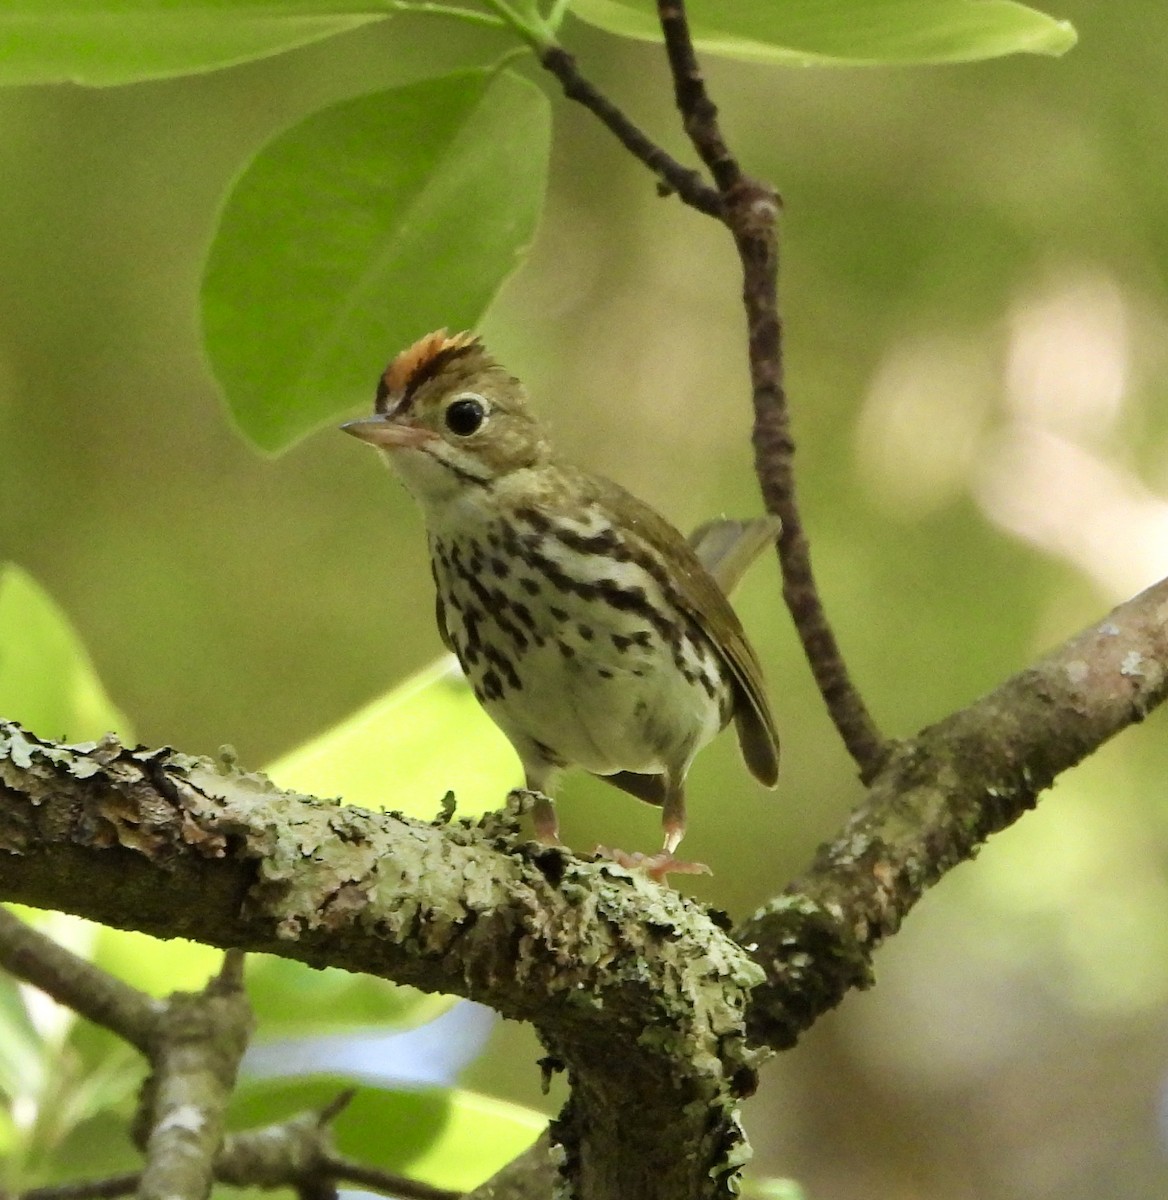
(592, 938)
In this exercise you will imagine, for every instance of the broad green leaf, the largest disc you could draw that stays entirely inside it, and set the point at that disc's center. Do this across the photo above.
(9, 1140)
(405, 751)
(59, 1074)
(155, 966)
(47, 681)
(446, 1137)
(292, 999)
(358, 230)
(97, 1147)
(835, 32)
(771, 1188)
(481, 1136)
(105, 42)
(289, 998)
(78, 1091)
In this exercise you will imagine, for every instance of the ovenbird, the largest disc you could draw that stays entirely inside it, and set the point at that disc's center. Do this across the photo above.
(586, 624)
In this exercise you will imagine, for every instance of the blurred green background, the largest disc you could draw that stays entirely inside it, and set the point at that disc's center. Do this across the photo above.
(975, 300)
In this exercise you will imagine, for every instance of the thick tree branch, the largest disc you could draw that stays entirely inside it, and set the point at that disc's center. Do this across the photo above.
(940, 796)
(592, 954)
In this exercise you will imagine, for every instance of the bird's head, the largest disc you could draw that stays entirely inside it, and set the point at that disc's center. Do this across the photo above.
(449, 418)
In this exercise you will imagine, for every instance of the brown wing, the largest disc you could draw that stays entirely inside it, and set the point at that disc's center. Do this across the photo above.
(707, 603)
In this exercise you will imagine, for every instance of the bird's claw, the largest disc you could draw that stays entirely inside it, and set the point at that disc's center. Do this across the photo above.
(656, 866)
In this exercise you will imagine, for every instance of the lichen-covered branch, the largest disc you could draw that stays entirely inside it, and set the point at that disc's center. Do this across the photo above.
(199, 1042)
(632, 986)
(940, 796)
(639, 992)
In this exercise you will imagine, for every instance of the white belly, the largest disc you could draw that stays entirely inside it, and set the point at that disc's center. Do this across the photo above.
(609, 712)
(580, 660)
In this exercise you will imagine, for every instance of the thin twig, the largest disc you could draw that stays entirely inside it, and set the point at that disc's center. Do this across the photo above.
(345, 1170)
(78, 984)
(86, 1189)
(686, 182)
(750, 210)
(699, 114)
(330, 1170)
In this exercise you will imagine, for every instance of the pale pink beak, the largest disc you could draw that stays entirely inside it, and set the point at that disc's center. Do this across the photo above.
(388, 434)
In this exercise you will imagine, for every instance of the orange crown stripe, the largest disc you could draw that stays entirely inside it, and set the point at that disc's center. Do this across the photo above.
(413, 362)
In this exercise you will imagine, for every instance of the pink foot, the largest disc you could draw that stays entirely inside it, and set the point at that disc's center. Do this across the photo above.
(656, 866)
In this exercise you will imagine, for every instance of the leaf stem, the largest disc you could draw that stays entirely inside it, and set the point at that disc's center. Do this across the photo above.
(557, 12)
(533, 30)
(433, 8)
(508, 57)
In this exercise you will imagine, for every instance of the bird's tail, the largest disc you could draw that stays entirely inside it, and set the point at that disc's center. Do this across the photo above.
(727, 547)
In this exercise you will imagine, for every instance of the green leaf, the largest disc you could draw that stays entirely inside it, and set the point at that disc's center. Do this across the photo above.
(407, 750)
(21, 1048)
(449, 1138)
(155, 966)
(104, 42)
(47, 681)
(771, 1188)
(292, 1000)
(97, 1147)
(59, 1073)
(289, 998)
(358, 230)
(481, 1135)
(835, 32)
(383, 1128)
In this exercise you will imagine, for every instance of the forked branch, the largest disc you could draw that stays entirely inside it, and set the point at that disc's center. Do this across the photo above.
(750, 210)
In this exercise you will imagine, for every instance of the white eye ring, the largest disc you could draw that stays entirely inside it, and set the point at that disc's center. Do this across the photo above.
(466, 414)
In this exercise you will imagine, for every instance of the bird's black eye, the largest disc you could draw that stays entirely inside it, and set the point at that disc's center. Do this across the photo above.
(466, 415)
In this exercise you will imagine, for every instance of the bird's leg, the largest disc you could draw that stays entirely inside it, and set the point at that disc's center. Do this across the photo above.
(543, 813)
(545, 819)
(673, 816)
(543, 809)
